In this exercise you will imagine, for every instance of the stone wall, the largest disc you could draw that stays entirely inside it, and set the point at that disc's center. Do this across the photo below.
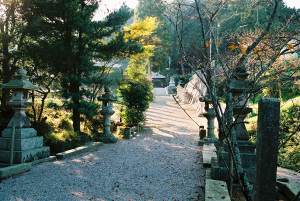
(191, 93)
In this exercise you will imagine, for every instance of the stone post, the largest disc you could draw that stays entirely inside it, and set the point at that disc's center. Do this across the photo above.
(107, 111)
(210, 115)
(266, 149)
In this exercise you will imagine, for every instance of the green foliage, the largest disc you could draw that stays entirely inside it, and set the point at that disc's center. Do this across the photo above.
(136, 97)
(65, 141)
(160, 37)
(289, 157)
(44, 128)
(53, 105)
(289, 136)
(67, 42)
(65, 124)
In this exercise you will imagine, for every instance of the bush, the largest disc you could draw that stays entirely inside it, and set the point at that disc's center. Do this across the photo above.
(289, 136)
(289, 154)
(60, 142)
(53, 105)
(44, 128)
(136, 97)
(65, 124)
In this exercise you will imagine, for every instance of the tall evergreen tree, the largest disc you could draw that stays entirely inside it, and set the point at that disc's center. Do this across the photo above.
(74, 41)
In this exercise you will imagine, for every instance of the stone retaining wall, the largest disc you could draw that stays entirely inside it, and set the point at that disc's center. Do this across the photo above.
(191, 93)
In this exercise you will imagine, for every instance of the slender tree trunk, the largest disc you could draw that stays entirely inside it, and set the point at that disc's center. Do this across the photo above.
(76, 120)
(33, 107)
(76, 113)
(42, 106)
(6, 76)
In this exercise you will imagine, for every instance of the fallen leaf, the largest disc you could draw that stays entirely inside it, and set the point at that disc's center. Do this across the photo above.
(223, 197)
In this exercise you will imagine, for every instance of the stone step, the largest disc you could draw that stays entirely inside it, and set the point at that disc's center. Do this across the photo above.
(25, 156)
(22, 144)
(209, 151)
(216, 190)
(20, 133)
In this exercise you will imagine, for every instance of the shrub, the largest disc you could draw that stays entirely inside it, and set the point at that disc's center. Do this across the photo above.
(289, 154)
(289, 136)
(53, 105)
(44, 128)
(65, 124)
(136, 97)
(59, 142)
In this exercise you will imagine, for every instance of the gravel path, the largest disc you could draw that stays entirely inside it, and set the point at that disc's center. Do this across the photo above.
(161, 163)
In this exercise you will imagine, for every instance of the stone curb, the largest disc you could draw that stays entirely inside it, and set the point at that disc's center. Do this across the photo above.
(20, 168)
(14, 170)
(24, 167)
(78, 150)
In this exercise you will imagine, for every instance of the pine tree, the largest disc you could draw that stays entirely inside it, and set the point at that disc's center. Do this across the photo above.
(75, 41)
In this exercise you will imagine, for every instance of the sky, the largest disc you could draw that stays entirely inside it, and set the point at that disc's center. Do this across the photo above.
(110, 5)
(292, 3)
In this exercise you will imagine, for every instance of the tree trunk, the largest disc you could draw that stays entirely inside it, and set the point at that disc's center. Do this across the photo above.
(76, 101)
(76, 120)
(42, 106)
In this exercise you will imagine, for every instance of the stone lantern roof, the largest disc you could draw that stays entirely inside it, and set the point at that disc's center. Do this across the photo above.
(20, 81)
(107, 96)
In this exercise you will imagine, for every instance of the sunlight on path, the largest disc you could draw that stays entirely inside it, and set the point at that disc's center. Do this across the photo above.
(160, 163)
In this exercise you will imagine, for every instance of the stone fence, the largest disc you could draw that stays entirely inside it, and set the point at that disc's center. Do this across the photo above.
(191, 93)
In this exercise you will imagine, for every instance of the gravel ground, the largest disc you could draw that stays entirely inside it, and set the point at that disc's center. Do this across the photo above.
(163, 162)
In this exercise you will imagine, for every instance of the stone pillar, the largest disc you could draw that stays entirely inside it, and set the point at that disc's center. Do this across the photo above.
(210, 115)
(266, 149)
(107, 111)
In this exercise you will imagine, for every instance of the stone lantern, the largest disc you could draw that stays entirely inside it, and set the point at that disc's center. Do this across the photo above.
(27, 145)
(107, 98)
(237, 86)
(210, 115)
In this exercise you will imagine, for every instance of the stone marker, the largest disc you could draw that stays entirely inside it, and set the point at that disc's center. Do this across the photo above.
(266, 149)
(127, 133)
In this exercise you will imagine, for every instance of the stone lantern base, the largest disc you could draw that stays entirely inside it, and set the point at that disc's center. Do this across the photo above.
(219, 170)
(27, 146)
(106, 138)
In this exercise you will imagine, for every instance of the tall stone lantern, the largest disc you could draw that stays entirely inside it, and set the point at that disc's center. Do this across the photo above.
(107, 98)
(210, 115)
(27, 145)
(237, 86)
